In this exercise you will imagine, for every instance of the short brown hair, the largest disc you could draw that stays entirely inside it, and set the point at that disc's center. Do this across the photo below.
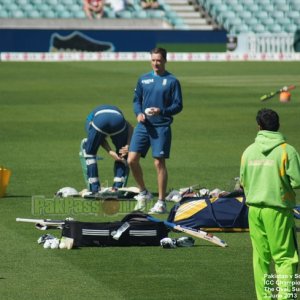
(161, 51)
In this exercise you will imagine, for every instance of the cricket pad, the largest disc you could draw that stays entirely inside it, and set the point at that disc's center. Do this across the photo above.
(139, 231)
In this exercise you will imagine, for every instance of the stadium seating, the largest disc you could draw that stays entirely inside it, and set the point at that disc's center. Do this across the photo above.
(72, 9)
(257, 16)
(235, 16)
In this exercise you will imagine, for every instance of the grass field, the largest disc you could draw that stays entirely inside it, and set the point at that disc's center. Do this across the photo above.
(43, 108)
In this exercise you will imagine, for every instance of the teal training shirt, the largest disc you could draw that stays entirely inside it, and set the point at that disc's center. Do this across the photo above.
(158, 91)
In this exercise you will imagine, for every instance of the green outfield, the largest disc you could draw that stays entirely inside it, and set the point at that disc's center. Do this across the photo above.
(43, 109)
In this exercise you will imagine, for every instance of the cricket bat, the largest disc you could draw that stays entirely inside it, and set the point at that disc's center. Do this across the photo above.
(272, 94)
(43, 224)
(192, 232)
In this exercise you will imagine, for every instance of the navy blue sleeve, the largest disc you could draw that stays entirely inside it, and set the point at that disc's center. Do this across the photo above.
(176, 103)
(138, 99)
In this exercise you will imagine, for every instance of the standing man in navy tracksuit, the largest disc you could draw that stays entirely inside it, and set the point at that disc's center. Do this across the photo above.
(157, 98)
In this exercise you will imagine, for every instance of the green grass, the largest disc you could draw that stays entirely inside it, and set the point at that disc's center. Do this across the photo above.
(43, 108)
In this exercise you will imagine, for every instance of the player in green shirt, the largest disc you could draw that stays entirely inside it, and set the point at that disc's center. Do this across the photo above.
(269, 173)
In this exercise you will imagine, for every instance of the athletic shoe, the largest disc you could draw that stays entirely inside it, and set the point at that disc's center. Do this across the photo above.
(142, 198)
(140, 205)
(158, 208)
(145, 195)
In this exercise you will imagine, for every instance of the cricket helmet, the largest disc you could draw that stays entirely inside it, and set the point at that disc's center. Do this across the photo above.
(66, 192)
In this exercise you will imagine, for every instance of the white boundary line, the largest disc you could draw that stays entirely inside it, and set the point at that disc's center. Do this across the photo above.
(144, 56)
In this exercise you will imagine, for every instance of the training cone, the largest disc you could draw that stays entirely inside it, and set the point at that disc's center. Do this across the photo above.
(285, 97)
(4, 180)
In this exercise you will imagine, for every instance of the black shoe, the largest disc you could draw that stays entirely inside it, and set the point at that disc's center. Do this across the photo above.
(77, 41)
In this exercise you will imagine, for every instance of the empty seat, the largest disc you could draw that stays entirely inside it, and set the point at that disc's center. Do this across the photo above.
(269, 8)
(52, 2)
(268, 21)
(279, 2)
(37, 2)
(245, 15)
(33, 14)
(58, 8)
(217, 9)
(27, 7)
(79, 14)
(124, 14)
(74, 8)
(49, 14)
(252, 22)
(253, 8)
(295, 6)
(284, 21)
(155, 14)
(140, 14)
(294, 14)
(264, 2)
(259, 28)
(67, 2)
(3, 2)
(109, 13)
(233, 24)
(64, 14)
(223, 16)
(17, 13)
(21, 2)
(210, 3)
(11, 6)
(290, 28)
(4, 13)
(262, 15)
(232, 2)
(275, 28)
(242, 28)
(237, 8)
(277, 14)
(43, 7)
(283, 7)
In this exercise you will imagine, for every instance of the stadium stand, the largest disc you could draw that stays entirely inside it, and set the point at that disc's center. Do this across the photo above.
(259, 16)
(234, 16)
(179, 14)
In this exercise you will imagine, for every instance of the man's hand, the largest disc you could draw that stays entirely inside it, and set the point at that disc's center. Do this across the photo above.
(123, 151)
(116, 157)
(141, 118)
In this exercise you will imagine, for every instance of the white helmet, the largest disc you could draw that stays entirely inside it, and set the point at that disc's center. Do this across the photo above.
(66, 192)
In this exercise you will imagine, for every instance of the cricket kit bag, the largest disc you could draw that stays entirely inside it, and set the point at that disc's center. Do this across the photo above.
(228, 213)
(133, 230)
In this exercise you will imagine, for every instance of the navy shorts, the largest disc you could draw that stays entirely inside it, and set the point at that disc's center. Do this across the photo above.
(146, 136)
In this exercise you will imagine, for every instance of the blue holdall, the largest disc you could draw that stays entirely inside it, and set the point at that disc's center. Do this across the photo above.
(226, 213)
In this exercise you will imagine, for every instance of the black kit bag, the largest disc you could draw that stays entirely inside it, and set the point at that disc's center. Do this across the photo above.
(133, 230)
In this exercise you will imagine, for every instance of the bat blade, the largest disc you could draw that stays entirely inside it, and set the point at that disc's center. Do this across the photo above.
(193, 232)
(202, 235)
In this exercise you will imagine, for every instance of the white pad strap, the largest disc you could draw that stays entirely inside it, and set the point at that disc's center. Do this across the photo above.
(119, 179)
(91, 161)
(93, 180)
(109, 134)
